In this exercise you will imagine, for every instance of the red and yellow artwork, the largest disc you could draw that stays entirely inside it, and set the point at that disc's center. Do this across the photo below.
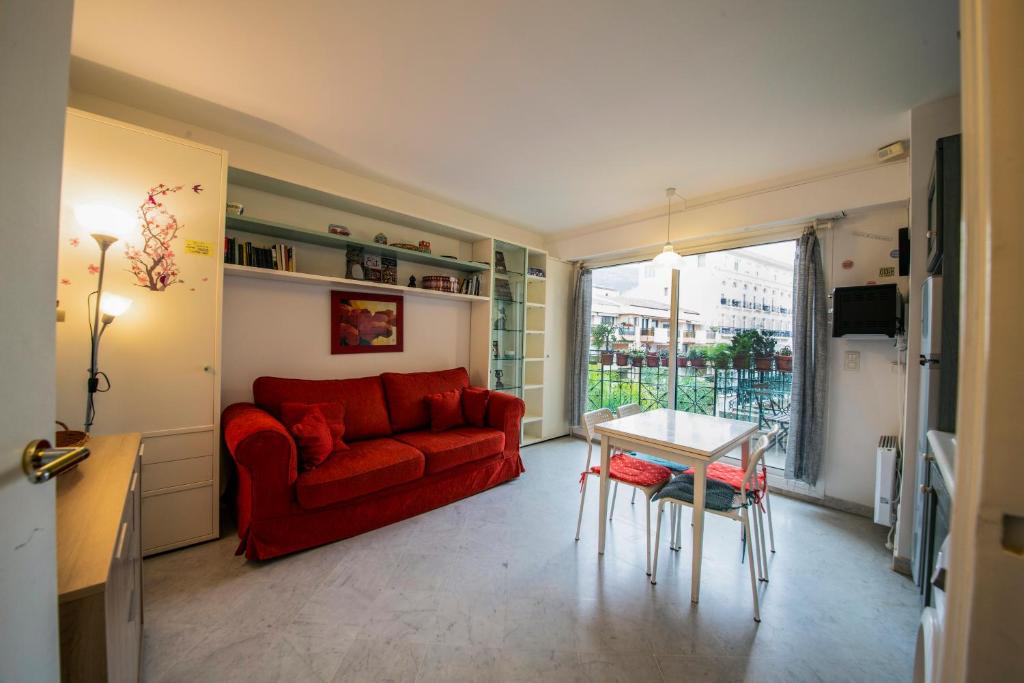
(365, 323)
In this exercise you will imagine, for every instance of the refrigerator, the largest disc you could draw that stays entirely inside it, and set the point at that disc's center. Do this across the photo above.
(928, 410)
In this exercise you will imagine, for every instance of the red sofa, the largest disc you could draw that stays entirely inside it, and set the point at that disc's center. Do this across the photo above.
(395, 467)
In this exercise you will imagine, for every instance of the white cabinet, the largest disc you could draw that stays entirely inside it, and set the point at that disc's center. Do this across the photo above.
(162, 355)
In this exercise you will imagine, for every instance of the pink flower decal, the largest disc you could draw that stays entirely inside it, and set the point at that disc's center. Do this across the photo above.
(154, 266)
(93, 269)
(73, 241)
(65, 281)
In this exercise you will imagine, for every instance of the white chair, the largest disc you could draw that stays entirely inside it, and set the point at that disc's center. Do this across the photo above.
(624, 411)
(738, 508)
(650, 471)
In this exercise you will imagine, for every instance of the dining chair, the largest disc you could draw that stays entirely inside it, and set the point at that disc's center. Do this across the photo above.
(720, 499)
(624, 411)
(624, 469)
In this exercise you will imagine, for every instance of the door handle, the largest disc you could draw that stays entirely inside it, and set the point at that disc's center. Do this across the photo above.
(41, 463)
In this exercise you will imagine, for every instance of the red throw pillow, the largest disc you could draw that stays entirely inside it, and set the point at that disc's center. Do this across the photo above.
(313, 438)
(474, 405)
(445, 410)
(333, 414)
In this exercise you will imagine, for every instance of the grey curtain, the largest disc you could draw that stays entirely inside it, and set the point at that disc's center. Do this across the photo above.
(579, 343)
(806, 439)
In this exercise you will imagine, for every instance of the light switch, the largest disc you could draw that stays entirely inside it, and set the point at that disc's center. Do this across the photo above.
(852, 361)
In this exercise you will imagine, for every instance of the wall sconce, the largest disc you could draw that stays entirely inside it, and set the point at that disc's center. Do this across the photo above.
(106, 225)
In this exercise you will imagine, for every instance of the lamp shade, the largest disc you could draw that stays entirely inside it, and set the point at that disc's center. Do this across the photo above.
(114, 304)
(669, 258)
(104, 220)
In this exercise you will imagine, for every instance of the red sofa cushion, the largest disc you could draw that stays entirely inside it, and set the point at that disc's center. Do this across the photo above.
(406, 394)
(445, 450)
(313, 437)
(445, 410)
(333, 415)
(474, 405)
(366, 467)
(366, 413)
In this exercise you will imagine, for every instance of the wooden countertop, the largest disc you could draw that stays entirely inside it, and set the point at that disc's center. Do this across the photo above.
(90, 502)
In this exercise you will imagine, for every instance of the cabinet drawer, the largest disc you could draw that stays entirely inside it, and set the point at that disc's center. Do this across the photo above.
(162, 475)
(176, 517)
(177, 447)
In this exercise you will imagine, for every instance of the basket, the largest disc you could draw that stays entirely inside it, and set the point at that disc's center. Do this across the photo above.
(69, 437)
(440, 283)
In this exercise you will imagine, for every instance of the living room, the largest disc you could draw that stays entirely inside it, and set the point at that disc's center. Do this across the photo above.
(366, 313)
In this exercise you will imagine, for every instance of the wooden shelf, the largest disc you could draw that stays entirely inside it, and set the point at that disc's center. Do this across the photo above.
(533, 386)
(326, 239)
(533, 305)
(533, 359)
(232, 270)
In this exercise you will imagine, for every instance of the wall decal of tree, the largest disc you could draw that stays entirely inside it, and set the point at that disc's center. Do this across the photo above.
(154, 266)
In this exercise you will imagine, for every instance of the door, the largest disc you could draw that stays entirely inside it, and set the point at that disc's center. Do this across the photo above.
(35, 40)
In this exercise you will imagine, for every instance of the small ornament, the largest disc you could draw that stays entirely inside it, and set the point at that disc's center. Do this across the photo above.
(425, 246)
(847, 264)
(412, 281)
(380, 238)
(494, 347)
(498, 384)
(336, 229)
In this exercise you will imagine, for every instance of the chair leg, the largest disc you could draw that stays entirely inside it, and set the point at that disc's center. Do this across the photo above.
(756, 543)
(615, 494)
(679, 527)
(750, 561)
(583, 497)
(657, 541)
(759, 518)
(768, 507)
(647, 536)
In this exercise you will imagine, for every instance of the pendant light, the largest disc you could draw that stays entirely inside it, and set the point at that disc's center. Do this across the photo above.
(668, 256)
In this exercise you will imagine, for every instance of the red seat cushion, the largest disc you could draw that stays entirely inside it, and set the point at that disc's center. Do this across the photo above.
(406, 394)
(445, 410)
(366, 467)
(731, 475)
(366, 413)
(630, 470)
(474, 405)
(454, 447)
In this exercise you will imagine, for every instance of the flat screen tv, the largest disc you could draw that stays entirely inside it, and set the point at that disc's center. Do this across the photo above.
(867, 312)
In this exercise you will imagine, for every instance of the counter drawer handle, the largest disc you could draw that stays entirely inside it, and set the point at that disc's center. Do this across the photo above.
(121, 539)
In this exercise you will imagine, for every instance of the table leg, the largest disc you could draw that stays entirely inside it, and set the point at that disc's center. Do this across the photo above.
(699, 487)
(602, 496)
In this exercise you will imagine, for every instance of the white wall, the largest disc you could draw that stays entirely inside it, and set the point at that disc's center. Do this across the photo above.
(928, 123)
(862, 404)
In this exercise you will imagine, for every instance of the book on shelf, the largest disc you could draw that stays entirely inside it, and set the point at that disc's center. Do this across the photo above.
(274, 257)
(470, 285)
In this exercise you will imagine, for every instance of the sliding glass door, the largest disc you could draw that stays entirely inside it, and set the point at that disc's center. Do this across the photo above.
(732, 333)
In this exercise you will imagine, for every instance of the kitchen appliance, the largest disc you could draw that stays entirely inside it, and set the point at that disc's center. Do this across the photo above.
(944, 203)
(867, 312)
(928, 406)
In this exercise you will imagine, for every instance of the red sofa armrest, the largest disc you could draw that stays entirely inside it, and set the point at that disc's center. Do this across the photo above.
(267, 461)
(505, 412)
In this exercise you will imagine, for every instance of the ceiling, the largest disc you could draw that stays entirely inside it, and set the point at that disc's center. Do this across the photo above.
(548, 114)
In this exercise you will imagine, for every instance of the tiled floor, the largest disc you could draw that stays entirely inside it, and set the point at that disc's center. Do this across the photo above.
(495, 588)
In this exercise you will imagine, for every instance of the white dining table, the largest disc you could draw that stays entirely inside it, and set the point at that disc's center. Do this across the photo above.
(686, 438)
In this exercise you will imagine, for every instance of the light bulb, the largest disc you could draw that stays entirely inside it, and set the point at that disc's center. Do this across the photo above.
(107, 224)
(114, 304)
(669, 258)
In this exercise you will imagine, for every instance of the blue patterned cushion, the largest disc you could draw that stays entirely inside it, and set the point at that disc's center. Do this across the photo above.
(718, 496)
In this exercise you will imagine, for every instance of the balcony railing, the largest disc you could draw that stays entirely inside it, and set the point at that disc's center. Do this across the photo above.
(752, 395)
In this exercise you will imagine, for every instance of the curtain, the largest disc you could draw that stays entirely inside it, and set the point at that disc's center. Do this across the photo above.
(579, 343)
(806, 438)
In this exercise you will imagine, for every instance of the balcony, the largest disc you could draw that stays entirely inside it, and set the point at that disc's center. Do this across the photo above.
(752, 395)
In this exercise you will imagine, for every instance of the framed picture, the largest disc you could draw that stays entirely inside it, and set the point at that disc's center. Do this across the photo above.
(366, 323)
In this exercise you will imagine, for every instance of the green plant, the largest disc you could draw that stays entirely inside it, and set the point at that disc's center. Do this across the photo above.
(636, 353)
(785, 351)
(763, 343)
(743, 343)
(603, 336)
(720, 355)
(696, 353)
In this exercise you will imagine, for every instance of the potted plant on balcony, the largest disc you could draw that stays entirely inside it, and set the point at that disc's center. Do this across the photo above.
(652, 359)
(663, 357)
(763, 343)
(698, 357)
(742, 345)
(784, 359)
(603, 336)
(721, 356)
(636, 357)
(622, 357)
